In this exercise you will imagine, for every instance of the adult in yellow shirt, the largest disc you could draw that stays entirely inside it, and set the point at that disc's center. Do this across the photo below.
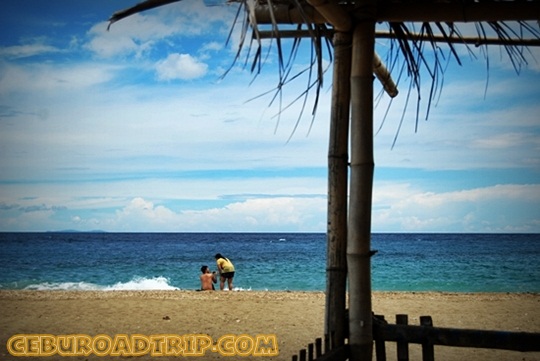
(226, 271)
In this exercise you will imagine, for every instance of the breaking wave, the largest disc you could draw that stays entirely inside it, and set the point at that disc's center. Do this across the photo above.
(135, 284)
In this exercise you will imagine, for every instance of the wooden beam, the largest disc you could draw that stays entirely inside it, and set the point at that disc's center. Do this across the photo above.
(459, 11)
(414, 12)
(333, 13)
(472, 40)
(284, 14)
(267, 34)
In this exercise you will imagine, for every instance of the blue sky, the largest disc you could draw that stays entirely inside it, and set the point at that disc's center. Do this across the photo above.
(134, 130)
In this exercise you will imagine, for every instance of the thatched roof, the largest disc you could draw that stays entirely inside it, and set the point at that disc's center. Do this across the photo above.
(339, 15)
(415, 27)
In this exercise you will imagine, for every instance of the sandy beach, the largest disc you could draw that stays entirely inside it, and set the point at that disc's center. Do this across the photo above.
(295, 318)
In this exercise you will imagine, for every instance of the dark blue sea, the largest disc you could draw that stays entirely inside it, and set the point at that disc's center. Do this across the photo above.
(265, 261)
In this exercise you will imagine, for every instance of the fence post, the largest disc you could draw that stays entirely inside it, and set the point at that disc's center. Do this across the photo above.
(402, 346)
(327, 342)
(428, 351)
(380, 345)
(318, 347)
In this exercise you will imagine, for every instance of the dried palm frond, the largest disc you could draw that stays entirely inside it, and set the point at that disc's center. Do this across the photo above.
(438, 41)
(143, 6)
(423, 45)
(317, 33)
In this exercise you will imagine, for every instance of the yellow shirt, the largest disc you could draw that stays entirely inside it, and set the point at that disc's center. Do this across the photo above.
(225, 265)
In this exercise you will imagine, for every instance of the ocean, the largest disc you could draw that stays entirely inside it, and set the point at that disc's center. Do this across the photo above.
(265, 261)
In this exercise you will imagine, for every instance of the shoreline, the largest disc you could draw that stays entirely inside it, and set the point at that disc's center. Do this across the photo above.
(179, 294)
(296, 318)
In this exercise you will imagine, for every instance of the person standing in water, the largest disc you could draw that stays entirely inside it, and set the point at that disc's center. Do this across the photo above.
(226, 271)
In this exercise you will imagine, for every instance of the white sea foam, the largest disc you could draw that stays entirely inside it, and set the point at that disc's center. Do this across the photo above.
(240, 289)
(235, 289)
(135, 284)
(65, 286)
(142, 284)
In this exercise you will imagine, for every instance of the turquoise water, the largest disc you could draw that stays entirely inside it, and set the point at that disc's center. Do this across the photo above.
(269, 261)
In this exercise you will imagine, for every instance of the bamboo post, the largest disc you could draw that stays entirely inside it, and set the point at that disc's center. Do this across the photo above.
(336, 258)
(362, 164)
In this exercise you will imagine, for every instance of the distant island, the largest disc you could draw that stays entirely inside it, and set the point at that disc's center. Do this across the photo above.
(77, 231)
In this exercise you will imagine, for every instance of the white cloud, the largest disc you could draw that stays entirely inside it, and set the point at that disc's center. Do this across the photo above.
(131, 35)
(263, 215)
(27, 50)
(180, 66)
(211, 46)
(502, 141)
(138, 33)
(405, 208)
(397, 207)
(256, 215)
(140, 214)
(106, 45)
(48, 77)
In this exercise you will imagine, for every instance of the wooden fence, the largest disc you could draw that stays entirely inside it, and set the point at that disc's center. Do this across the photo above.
(426, 335)
(315, 352)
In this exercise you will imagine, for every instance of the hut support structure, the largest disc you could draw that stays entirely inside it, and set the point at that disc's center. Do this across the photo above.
(362, 166)
(338, 158)
(349, 232)
(349, 229)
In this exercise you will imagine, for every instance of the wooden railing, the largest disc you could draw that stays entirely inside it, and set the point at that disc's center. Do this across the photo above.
(426, 335)
(429, 336)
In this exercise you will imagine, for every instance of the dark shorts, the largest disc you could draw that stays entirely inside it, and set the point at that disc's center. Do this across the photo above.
(227, 275)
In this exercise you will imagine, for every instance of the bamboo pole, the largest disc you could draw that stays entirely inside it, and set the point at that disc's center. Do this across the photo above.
(362, 165)
(336, 258)
(450, 39)
(383, 75)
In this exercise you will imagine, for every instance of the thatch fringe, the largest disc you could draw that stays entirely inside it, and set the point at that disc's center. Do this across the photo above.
(409, 47)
